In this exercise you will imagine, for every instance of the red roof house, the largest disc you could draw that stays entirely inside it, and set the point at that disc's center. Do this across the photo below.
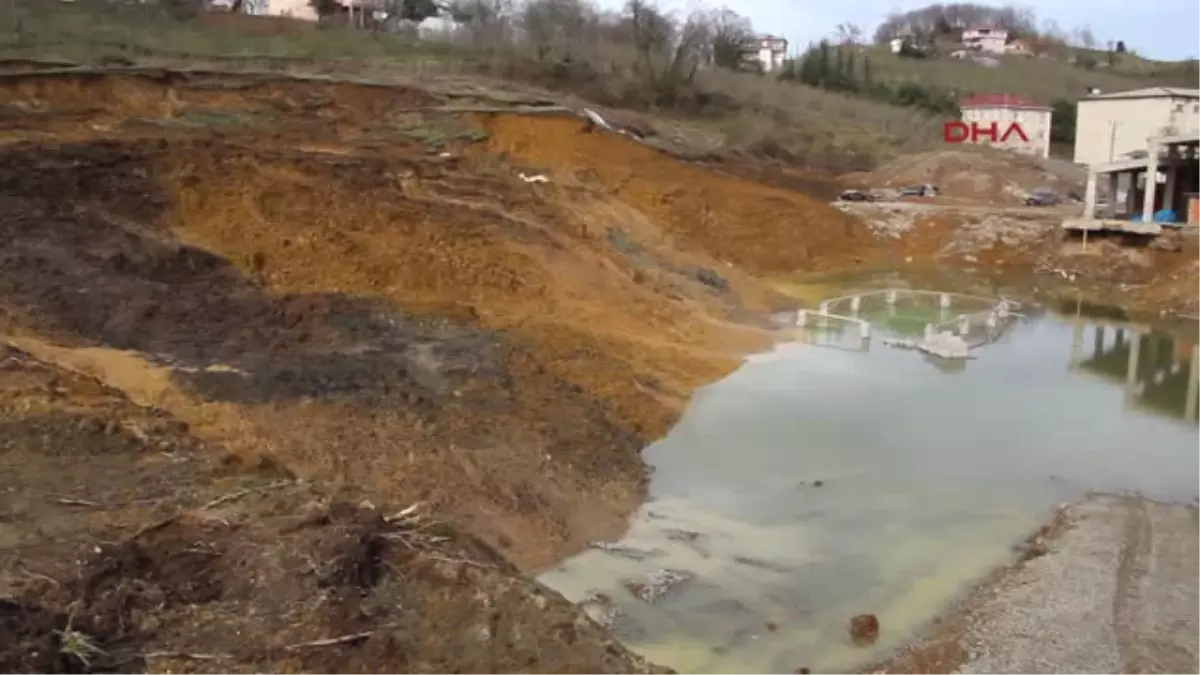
(1000, 101)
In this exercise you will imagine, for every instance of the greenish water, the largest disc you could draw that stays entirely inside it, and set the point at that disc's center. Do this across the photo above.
(929, 475)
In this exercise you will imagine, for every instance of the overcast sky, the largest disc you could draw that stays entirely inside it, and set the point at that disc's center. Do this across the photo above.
(1157, 29)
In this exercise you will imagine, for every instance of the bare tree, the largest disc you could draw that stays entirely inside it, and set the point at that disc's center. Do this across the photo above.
(731, 39)
(556, 28)
(486, 20)
(1086, 39)
(652, 33)
(848, 33)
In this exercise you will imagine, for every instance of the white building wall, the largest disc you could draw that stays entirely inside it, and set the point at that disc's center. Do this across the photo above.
(993, 41)
(1035, 124)
(297, 9)
(1107, 129)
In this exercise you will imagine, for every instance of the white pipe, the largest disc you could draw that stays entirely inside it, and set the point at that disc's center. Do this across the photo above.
(855, 303)
(890, 297)
(944, 300)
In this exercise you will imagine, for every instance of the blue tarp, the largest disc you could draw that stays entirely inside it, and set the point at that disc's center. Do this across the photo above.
(1163, 216)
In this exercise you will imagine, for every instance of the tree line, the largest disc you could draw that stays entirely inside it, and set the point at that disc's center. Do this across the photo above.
(842, 68)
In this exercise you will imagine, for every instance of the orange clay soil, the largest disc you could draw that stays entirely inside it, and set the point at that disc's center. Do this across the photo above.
(352, 284)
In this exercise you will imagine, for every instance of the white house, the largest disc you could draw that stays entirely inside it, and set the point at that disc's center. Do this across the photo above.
(1110, 126)
(771, 52)
(985, 39)
(1021, 125)
(297, 9)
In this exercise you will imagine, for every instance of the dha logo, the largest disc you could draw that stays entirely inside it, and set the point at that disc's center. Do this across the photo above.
(957, 131)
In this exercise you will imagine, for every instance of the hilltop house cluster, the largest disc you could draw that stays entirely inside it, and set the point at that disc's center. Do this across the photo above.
(977, 41)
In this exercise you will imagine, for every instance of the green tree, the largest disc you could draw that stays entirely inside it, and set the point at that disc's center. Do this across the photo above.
(1062, 121)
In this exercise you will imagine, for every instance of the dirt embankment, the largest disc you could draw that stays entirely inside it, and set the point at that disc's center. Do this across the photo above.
(352, 283)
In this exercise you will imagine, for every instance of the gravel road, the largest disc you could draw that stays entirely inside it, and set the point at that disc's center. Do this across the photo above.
(1113, 591)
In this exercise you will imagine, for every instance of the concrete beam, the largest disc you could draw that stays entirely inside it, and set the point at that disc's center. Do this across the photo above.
(1172, 174)
(1189, 409)
(1151, 184)
(1132, 372)
(1114, 186)
(1089, 196)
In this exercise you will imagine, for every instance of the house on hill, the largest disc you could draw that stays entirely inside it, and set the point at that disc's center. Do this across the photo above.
(1008, 113)
(771, 52)
(985, 39)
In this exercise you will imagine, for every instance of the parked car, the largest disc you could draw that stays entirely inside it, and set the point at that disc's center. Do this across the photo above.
(856, 196)
(925, 190)
(1042, 198)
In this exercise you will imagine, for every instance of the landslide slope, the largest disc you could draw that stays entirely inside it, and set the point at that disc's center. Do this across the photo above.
(360, 285)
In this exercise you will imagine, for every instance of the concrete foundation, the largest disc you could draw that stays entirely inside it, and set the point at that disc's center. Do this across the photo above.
(1175, 160)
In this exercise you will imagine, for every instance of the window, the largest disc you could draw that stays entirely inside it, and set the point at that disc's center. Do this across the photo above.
(1178, 107)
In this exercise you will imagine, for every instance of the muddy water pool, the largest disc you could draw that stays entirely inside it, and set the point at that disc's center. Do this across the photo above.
(832, 477)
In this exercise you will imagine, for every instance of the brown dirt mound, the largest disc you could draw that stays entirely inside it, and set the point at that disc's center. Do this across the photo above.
(976, 175)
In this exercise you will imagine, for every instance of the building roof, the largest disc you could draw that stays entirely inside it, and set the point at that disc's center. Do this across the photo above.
(1000, 101)
(1151, 92)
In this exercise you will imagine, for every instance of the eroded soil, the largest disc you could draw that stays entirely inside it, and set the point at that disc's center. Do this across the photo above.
(131, 545)
(244, 314)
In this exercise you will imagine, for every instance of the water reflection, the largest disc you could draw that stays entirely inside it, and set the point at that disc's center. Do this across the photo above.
(1157, 370)
(815, 484)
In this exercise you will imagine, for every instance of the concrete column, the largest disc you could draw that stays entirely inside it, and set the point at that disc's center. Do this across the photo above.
(1172, 178)
(1189, 411)
(1151, 184)
(1076, 344)
(1098, 345)
(1135, 345)
(1114, 186)
(1089, 196)
(1131, 203)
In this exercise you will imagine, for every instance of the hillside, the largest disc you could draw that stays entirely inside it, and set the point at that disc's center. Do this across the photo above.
(1043, 80)
(695, 111)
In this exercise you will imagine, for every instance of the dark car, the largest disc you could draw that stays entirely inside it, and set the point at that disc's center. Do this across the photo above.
(856, 196)
(1042, 198)
(926, 190)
